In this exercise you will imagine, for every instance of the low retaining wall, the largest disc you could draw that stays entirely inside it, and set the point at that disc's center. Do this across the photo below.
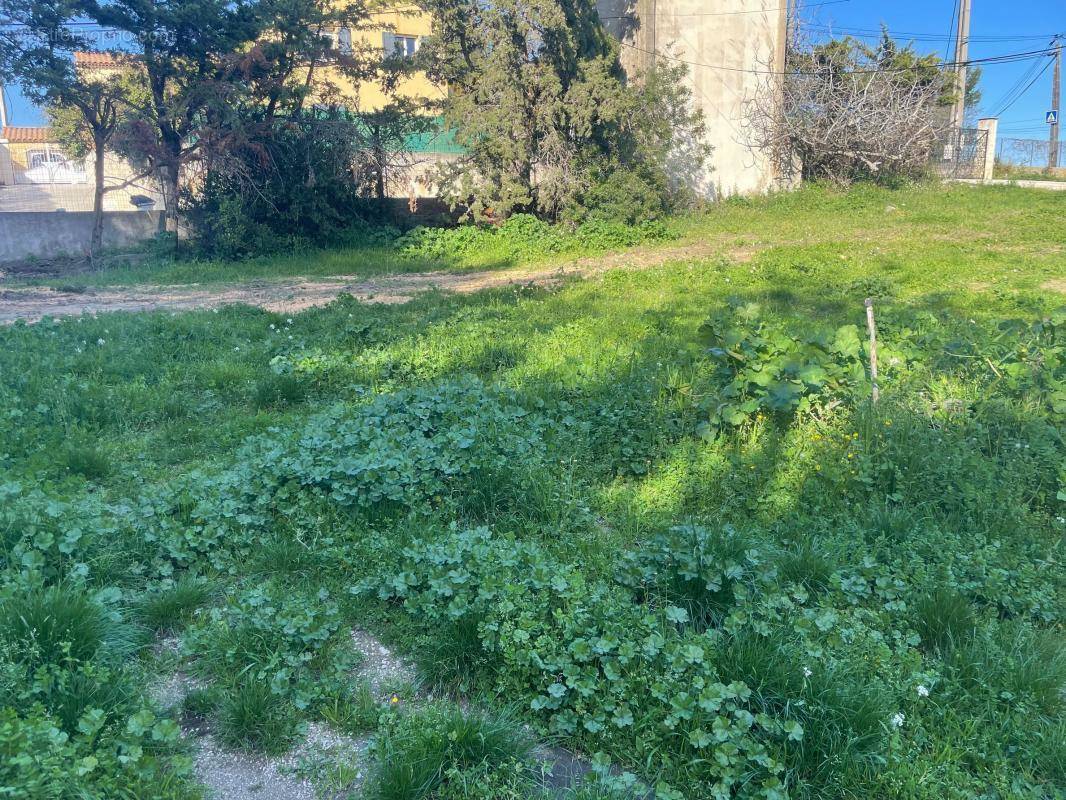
(43, 234)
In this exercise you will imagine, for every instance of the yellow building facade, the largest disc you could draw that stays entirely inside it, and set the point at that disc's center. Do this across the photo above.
(397, 30)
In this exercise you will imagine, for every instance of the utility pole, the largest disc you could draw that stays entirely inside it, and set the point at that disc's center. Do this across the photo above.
(3, 108)
(962, 49)
(1056, 98)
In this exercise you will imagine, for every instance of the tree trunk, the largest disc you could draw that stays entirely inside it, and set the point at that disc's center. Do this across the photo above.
(97, 240)
(169, 178)
(170, 172)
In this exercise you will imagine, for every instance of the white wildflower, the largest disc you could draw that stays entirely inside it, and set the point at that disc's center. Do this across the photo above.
(807, 672)
(898, 719)
(923, 691)
(101, 342)
(288, 321)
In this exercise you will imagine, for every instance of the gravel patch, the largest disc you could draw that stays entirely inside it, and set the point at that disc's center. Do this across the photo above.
(381, 667)
(172, 690)
(240, 775)
(232, 775)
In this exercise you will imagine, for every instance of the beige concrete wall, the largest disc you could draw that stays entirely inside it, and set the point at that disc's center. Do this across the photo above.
(727, 40)
(7, 172)
(44, 234)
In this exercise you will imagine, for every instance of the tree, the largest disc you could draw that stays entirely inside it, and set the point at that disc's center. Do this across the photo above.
(538, 101)
(848, 111)
(186, 51)
(85, 108)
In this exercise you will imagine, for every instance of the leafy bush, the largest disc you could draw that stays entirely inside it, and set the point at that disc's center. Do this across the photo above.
(592, 662)
(290, 187)
(271, 636)
(767, 368)
(697, 569)
(524, 236)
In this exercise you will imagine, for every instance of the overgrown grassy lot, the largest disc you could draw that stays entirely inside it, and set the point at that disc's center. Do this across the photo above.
(959, 228)
(653, 517)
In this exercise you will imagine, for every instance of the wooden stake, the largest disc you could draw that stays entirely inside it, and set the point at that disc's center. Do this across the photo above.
(876, 393)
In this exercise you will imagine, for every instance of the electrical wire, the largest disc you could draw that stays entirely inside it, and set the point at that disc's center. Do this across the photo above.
(929, 37)
(1006, 58)
(1016, 86)
(1021, 94)
(730, 13)
(951, 29)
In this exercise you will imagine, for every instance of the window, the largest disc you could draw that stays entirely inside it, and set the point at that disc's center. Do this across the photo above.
(45, 158)
(344, 40)
(400, 45)
(49, 165)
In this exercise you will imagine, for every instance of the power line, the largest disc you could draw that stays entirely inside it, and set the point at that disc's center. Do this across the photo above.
(929, 37)
(730, 13)
(1006, 58)
(1021, 94)
(1016, 86)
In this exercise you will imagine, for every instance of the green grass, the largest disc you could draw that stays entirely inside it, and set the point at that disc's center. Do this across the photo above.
(419, 755)
(521, 241)
(203, 473)
(251, 716)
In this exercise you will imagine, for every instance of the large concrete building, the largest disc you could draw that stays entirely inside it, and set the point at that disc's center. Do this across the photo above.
(732, 48)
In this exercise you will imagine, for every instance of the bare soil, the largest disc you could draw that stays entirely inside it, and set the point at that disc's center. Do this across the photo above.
(298, 294)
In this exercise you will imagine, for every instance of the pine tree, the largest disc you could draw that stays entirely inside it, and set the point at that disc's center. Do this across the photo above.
(539, 101)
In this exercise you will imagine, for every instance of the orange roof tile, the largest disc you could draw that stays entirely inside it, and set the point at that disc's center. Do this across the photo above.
(99, 60)
(22, 135)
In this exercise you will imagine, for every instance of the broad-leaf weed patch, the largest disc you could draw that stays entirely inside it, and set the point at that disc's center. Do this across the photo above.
(652, 516)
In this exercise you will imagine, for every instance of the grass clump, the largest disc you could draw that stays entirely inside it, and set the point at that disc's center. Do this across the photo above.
(279, 391)
(353, 710)
(442, 752)
(252, 716)
(943, 618)
(170, 608)
(56, 624)
(85, 460)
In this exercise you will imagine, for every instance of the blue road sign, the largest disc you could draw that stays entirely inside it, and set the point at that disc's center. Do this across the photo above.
(1051, 117)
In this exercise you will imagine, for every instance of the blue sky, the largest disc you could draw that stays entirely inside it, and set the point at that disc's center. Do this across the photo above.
(993, 22)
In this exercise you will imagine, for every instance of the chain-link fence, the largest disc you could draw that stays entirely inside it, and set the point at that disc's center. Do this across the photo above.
(39, 177)
(960, 153)
(1028, 153)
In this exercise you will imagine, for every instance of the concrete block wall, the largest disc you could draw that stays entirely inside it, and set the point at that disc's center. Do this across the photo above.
(732, 44)
(41, 234)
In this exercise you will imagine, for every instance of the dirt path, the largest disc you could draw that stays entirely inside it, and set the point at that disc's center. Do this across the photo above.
(297, 294)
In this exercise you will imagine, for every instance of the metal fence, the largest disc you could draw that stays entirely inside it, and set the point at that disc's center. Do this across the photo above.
(1027, 153)
(45, 180)
(960, 153)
